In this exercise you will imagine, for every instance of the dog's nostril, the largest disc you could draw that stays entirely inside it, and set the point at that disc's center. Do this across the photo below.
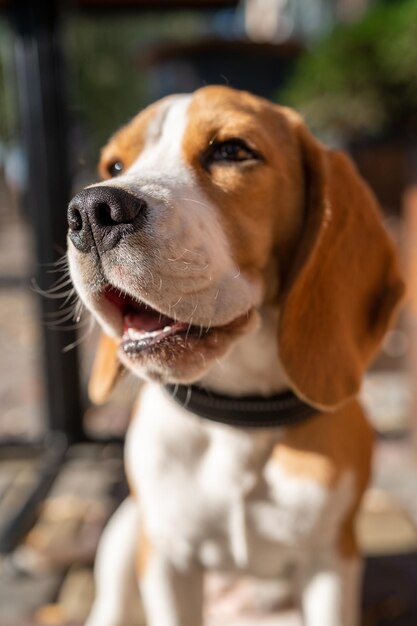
(103, 215)
(116, 213)
(75, 220)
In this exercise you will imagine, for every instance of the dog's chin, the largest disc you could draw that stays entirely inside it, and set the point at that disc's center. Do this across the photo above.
(159, 348)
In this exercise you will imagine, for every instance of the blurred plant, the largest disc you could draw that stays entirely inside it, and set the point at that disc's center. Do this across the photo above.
(8, 105)
(104, 56)
(362, 78)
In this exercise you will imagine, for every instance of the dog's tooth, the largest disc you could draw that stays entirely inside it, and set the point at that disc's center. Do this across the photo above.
(134, 334)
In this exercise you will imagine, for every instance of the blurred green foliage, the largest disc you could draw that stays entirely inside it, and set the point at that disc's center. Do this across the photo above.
(8, 109)
(107, 86)
(361, 78)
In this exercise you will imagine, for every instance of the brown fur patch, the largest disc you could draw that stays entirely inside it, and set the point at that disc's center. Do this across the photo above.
(324, 449)
(144, 552)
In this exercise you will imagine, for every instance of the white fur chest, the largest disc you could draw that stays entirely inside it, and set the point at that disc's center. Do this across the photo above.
(210, 492)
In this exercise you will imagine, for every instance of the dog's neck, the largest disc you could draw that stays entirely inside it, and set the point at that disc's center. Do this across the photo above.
(252, 366)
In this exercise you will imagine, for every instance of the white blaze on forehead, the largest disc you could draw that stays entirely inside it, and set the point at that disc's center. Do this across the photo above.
(164, 138)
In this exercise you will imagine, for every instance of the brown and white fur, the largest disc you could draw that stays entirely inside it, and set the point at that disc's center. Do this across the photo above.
(279, 256)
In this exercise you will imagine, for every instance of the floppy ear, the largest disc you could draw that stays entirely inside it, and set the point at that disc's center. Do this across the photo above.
(344, 285)
(106, 370)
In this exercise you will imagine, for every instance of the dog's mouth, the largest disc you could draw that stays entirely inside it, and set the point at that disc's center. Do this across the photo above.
(159, 347)
(145, 327)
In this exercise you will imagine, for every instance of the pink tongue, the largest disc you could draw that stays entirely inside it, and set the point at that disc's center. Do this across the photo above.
(146, 321)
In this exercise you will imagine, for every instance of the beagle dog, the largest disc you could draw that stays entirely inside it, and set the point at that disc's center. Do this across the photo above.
(228, 255)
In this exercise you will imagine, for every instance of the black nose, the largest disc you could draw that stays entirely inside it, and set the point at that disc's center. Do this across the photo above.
(100, 216)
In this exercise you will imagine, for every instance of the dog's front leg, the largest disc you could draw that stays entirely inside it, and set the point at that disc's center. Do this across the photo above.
(116, 600)
(330, 591)
(171, 597)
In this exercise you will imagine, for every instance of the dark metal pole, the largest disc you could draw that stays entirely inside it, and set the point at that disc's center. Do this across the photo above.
(44, 122)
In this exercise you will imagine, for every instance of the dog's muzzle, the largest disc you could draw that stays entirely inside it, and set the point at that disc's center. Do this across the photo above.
(99, 217)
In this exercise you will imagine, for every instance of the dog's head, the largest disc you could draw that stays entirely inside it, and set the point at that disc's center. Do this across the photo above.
(214, 205)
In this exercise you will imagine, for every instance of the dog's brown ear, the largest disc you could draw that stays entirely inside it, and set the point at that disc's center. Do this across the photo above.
(106, 370)
(344, 285)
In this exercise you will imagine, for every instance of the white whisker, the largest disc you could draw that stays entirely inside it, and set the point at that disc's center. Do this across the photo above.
(203, 204)
(199, 269)
(193, 311)
(59, 320)
(63, 260)
(69, 296)
(190, 323)
(74, 344)
(60, 312)
(177, 302)
(203, 358)
(179, 257)
(77, 326)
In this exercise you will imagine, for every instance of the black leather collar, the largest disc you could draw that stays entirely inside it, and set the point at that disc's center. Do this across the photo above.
(283, 409)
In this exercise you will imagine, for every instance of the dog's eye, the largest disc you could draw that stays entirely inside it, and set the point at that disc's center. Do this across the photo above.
(115, 168)
(231, 151)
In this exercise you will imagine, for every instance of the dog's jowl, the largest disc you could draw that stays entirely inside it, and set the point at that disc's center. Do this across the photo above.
(242, 270)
